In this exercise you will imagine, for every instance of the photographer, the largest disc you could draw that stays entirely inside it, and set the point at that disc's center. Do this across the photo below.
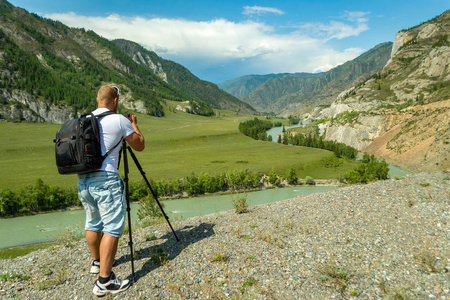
(102, 192)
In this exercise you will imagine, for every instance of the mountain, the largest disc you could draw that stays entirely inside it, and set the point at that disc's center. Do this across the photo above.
(244, 85)
(182, 79)
(291, 94)
(403, 112)
(50, 72)
(268, 93)
(327, 86)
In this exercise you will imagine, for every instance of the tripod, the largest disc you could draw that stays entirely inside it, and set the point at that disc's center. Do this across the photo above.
(127, 196)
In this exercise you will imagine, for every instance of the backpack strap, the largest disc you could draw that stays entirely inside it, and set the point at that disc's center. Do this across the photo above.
(107, 113)
(110, 150)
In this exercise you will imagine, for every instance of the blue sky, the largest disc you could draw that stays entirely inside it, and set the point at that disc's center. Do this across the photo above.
(221, 40)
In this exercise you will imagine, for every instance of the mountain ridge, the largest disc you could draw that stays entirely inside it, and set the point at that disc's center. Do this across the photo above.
(181, 78)
(46, 66)
(244, 85)
(403, 112)
(289, 94)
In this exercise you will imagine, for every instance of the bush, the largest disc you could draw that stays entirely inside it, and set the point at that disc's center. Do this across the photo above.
(149, 208)
(273, 179)
(239, 203)
(309, 180)
(36, 198)
(8, 205)
(369, 170)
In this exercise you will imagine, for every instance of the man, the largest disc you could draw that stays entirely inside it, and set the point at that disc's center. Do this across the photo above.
(102, 192)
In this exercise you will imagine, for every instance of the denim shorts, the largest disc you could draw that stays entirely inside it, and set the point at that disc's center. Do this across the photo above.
(103, 198)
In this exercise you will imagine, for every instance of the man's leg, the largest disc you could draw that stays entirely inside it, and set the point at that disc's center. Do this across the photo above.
(93, 239)
(107, 281)
(108, 249)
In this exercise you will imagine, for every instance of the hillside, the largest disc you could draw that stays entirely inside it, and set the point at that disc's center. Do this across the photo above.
(244, 85)
(265, 95)
(292, 94)
(403, 112)
(50, 72)
(182, 79)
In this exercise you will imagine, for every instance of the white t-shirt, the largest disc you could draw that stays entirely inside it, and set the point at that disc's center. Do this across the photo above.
(112, 129)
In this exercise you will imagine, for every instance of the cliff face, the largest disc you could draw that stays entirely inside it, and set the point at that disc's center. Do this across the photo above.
(403, 112)
(21, 106)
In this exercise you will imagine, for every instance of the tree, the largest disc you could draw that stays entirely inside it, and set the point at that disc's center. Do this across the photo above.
(291, 176)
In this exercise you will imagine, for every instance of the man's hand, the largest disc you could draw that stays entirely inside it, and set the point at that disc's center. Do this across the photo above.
(132, 118)
(136, 139)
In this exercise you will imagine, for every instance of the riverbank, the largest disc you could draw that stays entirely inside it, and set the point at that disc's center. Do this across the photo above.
(264, 184)
(386, 239)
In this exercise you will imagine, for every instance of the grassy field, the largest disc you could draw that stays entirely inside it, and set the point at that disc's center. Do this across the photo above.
(176, 146)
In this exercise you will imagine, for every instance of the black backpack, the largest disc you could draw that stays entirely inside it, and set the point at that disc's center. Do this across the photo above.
(77, 145)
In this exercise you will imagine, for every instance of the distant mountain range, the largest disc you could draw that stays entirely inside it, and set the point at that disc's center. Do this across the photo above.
(49, 72)
(244, 85)
(294, 94)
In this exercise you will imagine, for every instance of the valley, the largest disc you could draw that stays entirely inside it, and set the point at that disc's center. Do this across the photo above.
(177, 145)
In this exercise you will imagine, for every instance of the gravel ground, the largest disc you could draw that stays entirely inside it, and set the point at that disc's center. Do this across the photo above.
(385, 240)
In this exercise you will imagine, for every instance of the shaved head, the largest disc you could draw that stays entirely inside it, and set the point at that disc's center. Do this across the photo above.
(106, 95)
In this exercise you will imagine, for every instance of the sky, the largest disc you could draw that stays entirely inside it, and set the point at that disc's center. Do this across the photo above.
(222, 40)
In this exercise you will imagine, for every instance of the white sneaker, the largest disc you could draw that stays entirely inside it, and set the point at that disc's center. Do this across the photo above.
(95, 267)
(113, 286)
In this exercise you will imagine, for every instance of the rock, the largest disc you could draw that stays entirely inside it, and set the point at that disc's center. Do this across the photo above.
(21, 105)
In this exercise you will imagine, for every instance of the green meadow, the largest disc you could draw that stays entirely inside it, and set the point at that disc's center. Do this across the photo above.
(176, 146)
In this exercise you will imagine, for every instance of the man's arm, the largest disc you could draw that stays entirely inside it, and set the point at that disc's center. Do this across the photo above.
(136, 139)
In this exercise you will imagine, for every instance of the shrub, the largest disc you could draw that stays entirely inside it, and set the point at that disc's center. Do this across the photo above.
(239, 203)
(309, 180)
(149, 208)
(8, 205)
(369, 170)
(35, 198)
(273, 179)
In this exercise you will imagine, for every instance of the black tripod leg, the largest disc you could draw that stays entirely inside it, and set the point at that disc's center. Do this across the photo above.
(127, 197)
(138, 165)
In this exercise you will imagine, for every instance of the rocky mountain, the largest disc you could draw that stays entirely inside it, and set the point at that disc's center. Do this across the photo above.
(265, 96)
(182, 79)
(50, 72)
(244, 85)
(291, 94)
(403, 112)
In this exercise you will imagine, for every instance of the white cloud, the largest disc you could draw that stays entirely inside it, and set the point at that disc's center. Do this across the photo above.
(222, 42)
(339, 30)
(356, 16)
(259, 10)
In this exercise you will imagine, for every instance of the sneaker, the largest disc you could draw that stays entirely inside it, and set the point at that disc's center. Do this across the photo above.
(113, 286)
(95, 267)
